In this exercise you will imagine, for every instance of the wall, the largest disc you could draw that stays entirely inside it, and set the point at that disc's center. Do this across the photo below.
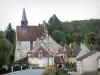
(90, 63)
(42, 62)
(22, 47)
(98, 63)
(79, 67)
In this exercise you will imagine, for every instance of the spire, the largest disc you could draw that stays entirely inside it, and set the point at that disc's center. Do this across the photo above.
(24, 22)
(24, 15)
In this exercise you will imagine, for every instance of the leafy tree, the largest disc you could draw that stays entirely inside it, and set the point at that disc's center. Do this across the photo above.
(76, 31)
(85, 40)
(5, 50)
(92, 37)
(77, 38)
(63, 41)
(53, 23)
(10, 35)
(58, 35)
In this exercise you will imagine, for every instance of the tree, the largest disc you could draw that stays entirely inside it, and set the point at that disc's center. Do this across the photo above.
(58, 35)
(10, 35)
(63, 41)
(53, 23)
(1, 34)
(5, 50)
(92, 37)
(76, 31)
(77, 38)
(85, 40)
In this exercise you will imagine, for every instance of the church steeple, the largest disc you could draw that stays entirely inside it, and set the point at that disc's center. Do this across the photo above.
(24, 22)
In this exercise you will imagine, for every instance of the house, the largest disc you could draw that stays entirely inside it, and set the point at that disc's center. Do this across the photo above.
(48, 52)
(88, 62)
(69, 54)
(40, 58)
(59, 61)
(62, 53)
(76, 52)
(72, 53)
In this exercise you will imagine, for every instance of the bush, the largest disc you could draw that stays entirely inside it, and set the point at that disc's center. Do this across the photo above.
(72, 66)
(61, 72)
(50, 70)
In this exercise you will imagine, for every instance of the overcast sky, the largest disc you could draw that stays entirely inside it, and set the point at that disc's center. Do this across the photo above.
(39, 10)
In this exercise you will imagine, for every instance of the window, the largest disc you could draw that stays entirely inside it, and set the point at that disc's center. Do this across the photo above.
(40, 54)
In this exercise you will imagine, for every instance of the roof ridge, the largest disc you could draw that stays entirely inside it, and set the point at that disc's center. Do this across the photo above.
(86, 55)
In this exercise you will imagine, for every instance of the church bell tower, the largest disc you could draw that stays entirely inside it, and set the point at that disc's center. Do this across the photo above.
(24, 22)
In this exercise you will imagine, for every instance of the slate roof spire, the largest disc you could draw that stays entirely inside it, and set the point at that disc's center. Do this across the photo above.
(24, 22)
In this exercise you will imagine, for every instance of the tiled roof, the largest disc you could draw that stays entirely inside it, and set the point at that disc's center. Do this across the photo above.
(70, 52)
(29, 34)
(45, 53)
(76, 51)
(59, 60)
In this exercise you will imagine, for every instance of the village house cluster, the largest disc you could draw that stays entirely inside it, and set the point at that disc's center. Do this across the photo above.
(34, 45)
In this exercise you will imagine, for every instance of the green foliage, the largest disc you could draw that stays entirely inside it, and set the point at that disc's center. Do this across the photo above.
(1, 34)
(85, 31)
(72, 66)
(5, 51)
(53, 24)
(61, 72)
(58, 35)
(7, 45)
(50, 70)
(85, 40)
(10, 35)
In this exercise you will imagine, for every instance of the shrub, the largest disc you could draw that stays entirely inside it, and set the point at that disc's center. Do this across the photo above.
(50, 70)
(72, 66)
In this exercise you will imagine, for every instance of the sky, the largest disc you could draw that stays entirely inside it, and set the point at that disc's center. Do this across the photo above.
(39, 10)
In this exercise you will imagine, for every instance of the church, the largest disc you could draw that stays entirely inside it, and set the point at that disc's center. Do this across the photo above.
(34, 43)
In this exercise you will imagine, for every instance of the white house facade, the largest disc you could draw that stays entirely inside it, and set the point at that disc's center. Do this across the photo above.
(40, 58)
(98, 62)
(88, 62)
